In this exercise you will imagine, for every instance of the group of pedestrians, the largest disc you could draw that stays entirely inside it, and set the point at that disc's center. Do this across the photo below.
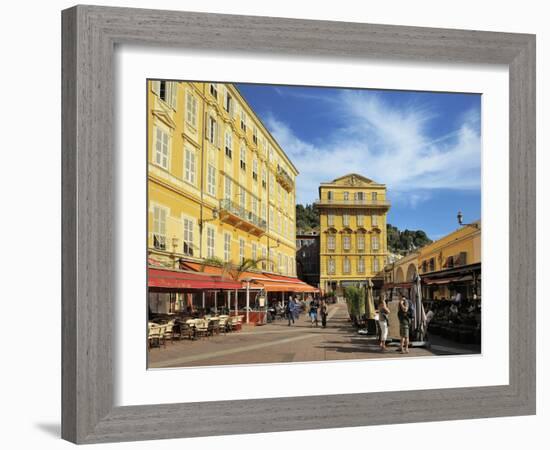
(315, 307)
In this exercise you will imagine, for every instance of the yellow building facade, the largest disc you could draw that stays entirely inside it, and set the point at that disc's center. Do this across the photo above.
(447, 266)
(219, 185)
(353, 245)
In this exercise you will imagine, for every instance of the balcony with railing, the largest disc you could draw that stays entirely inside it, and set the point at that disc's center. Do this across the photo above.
(240, 217)
(285, 179)
(365, 202)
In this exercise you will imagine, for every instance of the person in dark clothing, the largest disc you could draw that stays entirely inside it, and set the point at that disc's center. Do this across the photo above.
(289, 310)
(324, 313)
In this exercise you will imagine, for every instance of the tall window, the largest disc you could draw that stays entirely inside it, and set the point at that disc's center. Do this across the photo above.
(375, 243)
(227, 246)
(331, 267)
(191, 110)
(346, 265)
(264, 211)
(243, 120)
(361, 265)
(167, 91)
(228, 102)
(254, 202)
(264, 178)
(187, 237)
(347, 242)
(254, 251)
(212, 131)
(331, 242)
(329, 195)
(242, 197)
(287, 265)
(271, 218)
(345, 220)
(374, 197)
(375, 265)
(228, 188)
(243, 157)
(159, 228)
(360, 242)
(264, 257)
(359, 196)
(211, 180)
(241, 250)
(214, 90)
(255, 135)
(162, 145)
(374, 220)
(346, 196)
(210, 242)
(190, 165)
(255, 169)
(360, 220)
(228, 144)
(279, 263)
(330, 219)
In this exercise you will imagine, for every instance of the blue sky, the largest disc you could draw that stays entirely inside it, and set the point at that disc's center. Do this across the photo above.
(425, 146)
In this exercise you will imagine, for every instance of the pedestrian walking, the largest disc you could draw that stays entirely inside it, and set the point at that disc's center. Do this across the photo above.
(383, 322)
(404, 321)
(289, 310)
(313, 313)
(324, 313)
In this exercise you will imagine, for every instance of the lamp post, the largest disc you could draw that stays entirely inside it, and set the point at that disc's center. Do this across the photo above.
(460, 217)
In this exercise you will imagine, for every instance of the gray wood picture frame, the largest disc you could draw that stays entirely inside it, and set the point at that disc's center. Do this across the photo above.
(90, 34)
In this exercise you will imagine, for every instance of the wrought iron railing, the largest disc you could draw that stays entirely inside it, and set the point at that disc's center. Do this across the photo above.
(242, 213)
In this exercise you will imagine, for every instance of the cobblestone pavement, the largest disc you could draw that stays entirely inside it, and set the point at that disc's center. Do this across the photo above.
(279, 343)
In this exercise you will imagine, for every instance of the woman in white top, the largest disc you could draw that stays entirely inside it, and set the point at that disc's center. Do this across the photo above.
(383, 312)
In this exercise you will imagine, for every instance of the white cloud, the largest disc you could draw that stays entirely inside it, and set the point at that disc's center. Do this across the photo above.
(389, 144)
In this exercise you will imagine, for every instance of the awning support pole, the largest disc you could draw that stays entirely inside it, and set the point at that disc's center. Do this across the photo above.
(203, 299)
(216, 301)
(236, 302)
(247, 301)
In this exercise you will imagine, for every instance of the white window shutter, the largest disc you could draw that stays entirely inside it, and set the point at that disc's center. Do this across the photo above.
(156, 86)
(173, 94)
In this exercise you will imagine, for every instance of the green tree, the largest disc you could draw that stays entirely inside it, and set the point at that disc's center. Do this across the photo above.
(307, 217)
(406, 240)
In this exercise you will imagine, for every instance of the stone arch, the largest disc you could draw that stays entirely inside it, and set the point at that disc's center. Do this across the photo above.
(399, 277)
(411, 271)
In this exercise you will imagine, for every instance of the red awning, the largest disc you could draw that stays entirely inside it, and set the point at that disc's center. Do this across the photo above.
(260, 280)
(174, 279)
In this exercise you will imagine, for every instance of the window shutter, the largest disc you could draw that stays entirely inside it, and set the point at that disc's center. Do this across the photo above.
(156, 86)
(173, 94)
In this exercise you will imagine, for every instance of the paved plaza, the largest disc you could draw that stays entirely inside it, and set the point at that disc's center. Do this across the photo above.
(279, 343)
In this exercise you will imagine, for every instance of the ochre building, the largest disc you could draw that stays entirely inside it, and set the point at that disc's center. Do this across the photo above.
(219, 186)
(353, 245)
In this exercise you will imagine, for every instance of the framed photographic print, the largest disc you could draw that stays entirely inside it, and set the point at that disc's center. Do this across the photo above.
(249, 206)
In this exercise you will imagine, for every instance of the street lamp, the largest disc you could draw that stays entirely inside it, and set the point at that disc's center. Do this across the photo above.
(460, 216)
(215, 214)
